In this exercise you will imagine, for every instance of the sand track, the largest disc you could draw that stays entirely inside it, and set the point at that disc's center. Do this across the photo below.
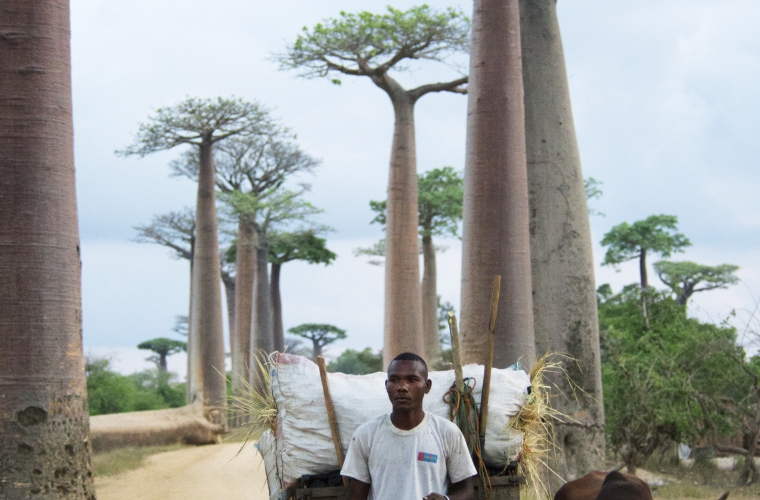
(201, 473)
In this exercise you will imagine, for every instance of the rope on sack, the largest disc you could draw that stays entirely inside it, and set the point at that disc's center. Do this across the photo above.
(464, 412)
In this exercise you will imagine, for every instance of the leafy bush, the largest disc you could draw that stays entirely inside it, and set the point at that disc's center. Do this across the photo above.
(111, 392)
(666, 380)
(107, 391)
(357, 362)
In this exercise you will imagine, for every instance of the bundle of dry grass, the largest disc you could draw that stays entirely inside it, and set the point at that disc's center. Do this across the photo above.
(255, 406)
(536, 422)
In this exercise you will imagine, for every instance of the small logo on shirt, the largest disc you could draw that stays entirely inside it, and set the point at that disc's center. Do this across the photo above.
(427, 457)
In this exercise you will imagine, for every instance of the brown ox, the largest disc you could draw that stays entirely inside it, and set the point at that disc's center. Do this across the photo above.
(598, 485)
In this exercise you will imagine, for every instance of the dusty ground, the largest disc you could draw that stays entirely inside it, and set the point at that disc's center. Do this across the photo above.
(199, 473)
(214, 473)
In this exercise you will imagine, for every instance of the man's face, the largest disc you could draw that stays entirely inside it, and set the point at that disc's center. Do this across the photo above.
(407, 384)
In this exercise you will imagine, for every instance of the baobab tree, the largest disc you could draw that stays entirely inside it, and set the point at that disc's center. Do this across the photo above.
(176, 231)
(201, 123)
(373, 45)
(286, 247)
(273, 210)
(654, 235)
(163, 348)
(439, 214)
(685, 278)
(496, 221)
(562, 265)
(319, 334)
(44, 429)
(253, 164)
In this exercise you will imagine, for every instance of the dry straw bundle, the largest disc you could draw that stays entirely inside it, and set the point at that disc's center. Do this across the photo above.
(254, 406)
(536, 422)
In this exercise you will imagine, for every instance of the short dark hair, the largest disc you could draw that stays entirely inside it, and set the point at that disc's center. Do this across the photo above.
(410, 356)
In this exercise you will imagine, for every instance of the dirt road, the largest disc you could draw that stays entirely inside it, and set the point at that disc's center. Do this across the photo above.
(200, 473)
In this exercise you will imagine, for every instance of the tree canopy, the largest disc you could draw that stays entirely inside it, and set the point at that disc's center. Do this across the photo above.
(299, 245)
(175, 230)
(195, 121)
(656, 234)
(593, 191)
(368, 44)
(684, 277)
(320, 334)
(270, 210)
(250, 163)
(439, 202)
(163, 347)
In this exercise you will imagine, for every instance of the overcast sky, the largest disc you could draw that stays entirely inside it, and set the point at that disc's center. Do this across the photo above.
(666, 108)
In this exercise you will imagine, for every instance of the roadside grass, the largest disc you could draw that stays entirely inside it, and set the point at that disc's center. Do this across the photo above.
(700, 481)
(682, 490)
(685, 491)
(114, 462)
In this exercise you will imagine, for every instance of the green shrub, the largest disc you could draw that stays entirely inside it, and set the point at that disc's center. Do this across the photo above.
(357, 362)
(111, 392)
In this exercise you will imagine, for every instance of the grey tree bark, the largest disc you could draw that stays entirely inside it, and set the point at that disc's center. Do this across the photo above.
(432, 351)
(262, 307)
(564, 292)
(278, 334)
(44, 424)
(245, 264)
(194, 379)
(403, 301)
(206, 321)
(229, 283)
(496, 219)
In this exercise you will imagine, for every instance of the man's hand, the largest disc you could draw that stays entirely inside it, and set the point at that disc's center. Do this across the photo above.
(462, 490)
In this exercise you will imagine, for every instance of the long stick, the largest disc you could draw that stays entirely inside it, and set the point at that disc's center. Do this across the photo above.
(489, 359)
(331, 413)
(455, 353)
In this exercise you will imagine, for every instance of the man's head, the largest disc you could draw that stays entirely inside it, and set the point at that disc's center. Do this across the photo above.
(407, 382)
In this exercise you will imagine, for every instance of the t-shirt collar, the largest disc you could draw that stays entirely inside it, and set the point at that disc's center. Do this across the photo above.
(402, 432)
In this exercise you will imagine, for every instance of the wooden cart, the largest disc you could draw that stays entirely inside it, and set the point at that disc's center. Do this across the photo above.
(330, 487)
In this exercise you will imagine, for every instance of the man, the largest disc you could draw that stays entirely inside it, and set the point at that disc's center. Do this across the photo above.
(409, 454)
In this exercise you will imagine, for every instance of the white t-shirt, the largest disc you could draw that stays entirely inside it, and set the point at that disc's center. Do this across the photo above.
(408, 465)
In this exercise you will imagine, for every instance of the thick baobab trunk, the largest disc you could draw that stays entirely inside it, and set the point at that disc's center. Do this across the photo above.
(316, 350)
(496, 225)
(564, 292)
(207, 298)
(245, 263)
(277, 330)
(262, 307)
(44, 426)
(403, 301)
(229, 295)
(430, 302)
(194, 373)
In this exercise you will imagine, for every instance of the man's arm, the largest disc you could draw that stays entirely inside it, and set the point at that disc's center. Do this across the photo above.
(462, 490)
(358, 490)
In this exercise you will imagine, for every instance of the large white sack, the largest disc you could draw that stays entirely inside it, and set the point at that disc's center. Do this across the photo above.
(266, 448)
(303, 442)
